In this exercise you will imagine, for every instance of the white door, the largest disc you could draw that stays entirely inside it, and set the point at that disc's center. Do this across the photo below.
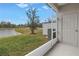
(78, 27)
(70, 29)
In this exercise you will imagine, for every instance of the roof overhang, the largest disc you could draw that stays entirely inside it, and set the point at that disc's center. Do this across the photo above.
(56, 6)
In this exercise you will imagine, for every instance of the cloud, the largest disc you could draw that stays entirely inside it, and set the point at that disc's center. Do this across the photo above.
(45, 7)
(39, 9)
(32, 9)
(22, 5)
(26, 9)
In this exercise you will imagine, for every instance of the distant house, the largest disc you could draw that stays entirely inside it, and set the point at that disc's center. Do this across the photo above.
(46, 26)
(49, 26)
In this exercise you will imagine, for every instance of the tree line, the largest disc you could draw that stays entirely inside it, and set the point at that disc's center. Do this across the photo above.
(4, 24)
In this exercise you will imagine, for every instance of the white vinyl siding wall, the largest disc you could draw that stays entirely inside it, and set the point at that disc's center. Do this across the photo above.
(68, 24)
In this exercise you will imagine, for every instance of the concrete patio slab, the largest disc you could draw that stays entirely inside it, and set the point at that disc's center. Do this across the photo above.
(62, 49)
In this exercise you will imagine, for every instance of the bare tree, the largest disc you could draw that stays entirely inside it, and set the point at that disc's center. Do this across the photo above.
(33, 19)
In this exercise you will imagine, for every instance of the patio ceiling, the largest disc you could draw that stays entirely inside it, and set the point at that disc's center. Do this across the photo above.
(56, 6)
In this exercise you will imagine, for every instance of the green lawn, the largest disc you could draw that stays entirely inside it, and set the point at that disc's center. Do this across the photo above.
(22, 44)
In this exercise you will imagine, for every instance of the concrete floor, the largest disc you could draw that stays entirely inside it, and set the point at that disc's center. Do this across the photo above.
(62, 49)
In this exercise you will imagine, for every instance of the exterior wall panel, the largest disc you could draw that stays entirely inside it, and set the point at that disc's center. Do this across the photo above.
(68, 13)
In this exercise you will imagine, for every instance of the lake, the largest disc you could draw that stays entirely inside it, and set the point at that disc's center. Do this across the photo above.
(8, 32)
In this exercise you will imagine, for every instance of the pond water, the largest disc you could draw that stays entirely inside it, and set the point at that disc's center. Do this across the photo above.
(8, 32)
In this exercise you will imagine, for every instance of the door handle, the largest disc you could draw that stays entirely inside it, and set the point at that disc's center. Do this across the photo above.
(76, 30)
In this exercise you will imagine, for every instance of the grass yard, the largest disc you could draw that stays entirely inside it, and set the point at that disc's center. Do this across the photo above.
(22, 44)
